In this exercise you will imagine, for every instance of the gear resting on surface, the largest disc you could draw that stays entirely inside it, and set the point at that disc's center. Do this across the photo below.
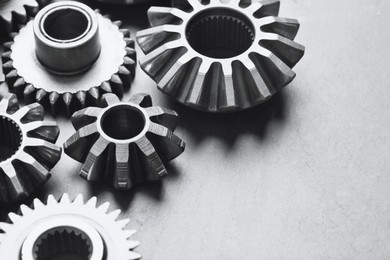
(27, 149)
(124, 143)
(78, 55)
(220, 56)
(14, 13)
(67, 229)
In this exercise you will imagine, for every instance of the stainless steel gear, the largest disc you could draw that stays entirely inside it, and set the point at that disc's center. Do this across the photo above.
(125, 2)
(27, 149)
(14, 13)
(78, 55)
(124, 143)
(220, 55)
(66, 229)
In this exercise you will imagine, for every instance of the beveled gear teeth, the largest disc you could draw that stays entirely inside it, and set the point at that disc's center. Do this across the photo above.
(220, 56)
(68, 102)
(124, 143)
(71, 226)
(27, 149)
(16, 13)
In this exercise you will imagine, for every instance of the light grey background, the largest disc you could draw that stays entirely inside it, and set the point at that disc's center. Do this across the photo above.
(305, 176)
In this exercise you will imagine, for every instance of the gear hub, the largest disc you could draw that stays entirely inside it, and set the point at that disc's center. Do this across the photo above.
(68, 56)
(27, 150)
(66, 229)
(220, 56)
(124, 143)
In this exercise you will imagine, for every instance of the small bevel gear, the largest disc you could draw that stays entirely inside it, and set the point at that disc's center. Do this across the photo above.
(15, 13)
(220, 55)
(27, 149)
(78, 55)
(124, 143)
(66, 229)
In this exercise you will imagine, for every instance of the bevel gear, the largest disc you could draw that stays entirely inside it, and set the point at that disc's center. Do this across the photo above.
(78, 55)
(27, 149)
(66, 229)
(124, 143)
(220, 55)
(15, 13)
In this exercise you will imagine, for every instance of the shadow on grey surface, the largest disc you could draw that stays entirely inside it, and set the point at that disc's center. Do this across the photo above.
(229, 127)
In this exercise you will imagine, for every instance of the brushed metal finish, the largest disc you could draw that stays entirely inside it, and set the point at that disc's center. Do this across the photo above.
(220, 56)
(14, 13)
(112, 72)
(27, 149)
(72, 226)
(124, 143)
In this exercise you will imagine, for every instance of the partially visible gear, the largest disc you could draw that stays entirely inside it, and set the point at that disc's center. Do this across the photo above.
(124, 143)
(220, 56)
(66, 229)
(125, 2)
(78, 55)
(27, 149)
(15, 13)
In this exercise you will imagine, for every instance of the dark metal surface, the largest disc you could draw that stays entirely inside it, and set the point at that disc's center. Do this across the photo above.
(303, 176)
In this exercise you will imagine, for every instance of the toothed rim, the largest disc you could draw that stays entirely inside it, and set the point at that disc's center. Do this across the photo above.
(15, 13)
(112, 231)
(28, 167)
(220, 84)
(134, 159)
(111, 73)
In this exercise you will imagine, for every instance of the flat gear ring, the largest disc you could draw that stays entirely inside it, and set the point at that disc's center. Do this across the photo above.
(124, 143)
(27, 149)
(78, 55)
(220, 55)
(66, 229)
(14, 13)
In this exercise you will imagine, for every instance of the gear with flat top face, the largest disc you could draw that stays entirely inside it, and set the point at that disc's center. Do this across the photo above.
(27, 149)
(15, 13)
(67, 229)
(220, 55)
(78, 55)
(124, 143)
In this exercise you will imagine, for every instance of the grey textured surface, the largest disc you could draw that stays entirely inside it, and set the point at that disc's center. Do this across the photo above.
(304, 176)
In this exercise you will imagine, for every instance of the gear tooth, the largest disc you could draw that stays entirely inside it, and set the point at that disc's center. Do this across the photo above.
(29, 93)
(51, 200)
(123, 223)
(125, 32)
(115, 214)
(79, 200)
(125, 76)
(11, 77)
(41, 96)
(129, 233)
(130, 42)
(25, 210)
(129, 64)
(54, 104)
(65, 199)
(116, 85)
(7, 67)
(91, 202)
(131, 244)
(107, 16)
(14, 217)
(104, 207)
(7, 46)
(93, 96)
(6, 56)
(97, 11)
(131, 53)
(37, 204)
(18, 87)
(68, 100)
(105, 87)
(81, 98)
(5, 226)
(133, 256)
(118, 23)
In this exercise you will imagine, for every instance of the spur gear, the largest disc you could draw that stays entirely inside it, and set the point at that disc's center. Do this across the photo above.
(66, 229)
(78, 55)
(27, 149)
(124, 143)
(15, 13)
(220, 56)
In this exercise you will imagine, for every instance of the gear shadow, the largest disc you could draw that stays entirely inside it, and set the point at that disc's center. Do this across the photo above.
(228, 127)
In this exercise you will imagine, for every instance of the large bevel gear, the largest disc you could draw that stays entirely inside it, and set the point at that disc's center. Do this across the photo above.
(27, 149)
(220, 55)
(66, 230)
(14, 13)
(124, 143)
(78, 55)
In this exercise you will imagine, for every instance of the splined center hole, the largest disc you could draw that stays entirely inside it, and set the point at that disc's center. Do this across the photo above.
(220, 33)
(123, 122)
(66, 24)
(63, 243)
(10, 138)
